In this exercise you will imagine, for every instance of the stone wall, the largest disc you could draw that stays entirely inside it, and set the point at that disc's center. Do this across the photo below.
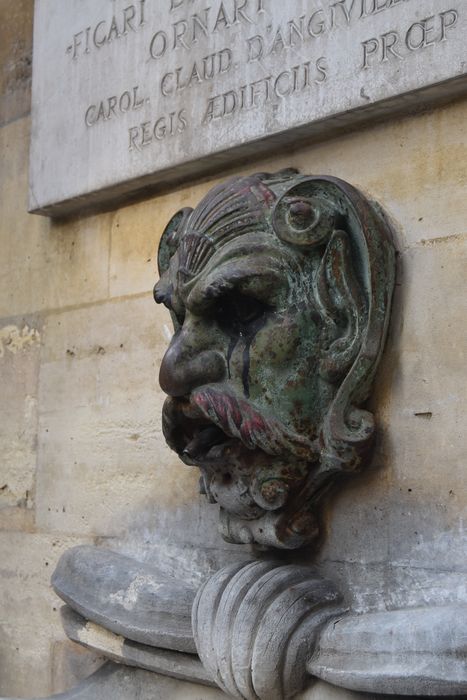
(82, 458)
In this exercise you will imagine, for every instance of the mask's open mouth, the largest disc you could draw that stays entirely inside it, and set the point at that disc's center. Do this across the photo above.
(215, 425)
(207, 444)
(197, 440)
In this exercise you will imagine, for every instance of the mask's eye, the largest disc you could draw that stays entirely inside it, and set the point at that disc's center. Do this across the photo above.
(240, 313)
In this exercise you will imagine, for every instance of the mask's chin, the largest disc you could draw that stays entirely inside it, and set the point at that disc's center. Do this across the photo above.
(269, 530)
(232, 493)
(247, 483)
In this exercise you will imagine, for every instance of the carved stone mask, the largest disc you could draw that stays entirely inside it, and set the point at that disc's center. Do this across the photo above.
(279, 287)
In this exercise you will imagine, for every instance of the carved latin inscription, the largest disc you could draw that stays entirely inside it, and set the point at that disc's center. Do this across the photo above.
(195, 29)
(154, 85)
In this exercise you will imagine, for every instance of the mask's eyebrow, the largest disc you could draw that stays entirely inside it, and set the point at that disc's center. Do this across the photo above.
(262, 282)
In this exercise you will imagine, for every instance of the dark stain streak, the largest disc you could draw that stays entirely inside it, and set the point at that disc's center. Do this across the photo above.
(246, 367)
(232, 343)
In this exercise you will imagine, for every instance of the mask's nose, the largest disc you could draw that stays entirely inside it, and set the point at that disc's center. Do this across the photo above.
(188, 363)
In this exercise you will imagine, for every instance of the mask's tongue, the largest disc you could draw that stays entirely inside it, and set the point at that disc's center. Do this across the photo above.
(203, 441)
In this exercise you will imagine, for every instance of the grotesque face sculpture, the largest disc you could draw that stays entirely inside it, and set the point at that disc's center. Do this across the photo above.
(279, 288)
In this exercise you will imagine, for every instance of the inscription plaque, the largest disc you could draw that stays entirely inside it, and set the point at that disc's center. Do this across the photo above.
(130, 95)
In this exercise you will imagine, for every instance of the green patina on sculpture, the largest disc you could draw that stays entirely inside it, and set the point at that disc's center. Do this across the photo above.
(279, 286)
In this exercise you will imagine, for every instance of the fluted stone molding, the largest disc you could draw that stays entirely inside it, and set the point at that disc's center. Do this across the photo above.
(411, 652)
(256, 625)
(261, 629)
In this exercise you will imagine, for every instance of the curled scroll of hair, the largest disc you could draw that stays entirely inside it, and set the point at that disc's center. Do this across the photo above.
(353, 289)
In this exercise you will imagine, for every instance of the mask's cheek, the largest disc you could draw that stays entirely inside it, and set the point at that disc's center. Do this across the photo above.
(283, 350)
(283, 371)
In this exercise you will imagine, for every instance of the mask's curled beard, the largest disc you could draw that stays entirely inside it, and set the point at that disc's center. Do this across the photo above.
(239, 419)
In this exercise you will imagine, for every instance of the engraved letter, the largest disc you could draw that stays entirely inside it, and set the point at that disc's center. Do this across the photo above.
(225, 60)
(316, 25)
(113, 30)
(160, 129)
(175, 3)
(128, 17)
(100, 112)
(260, 89)
(76, 42)
(136, 103)
(133, 134)
(322, 70)
(277, 84)
(347, 12)
(124, 103)
(111, 104)
(208, 66)
(89, 118)
(178, 83)
(180, 28)
(306, 75)
(255, 48)
(389, 40)
(87, 49)
(166, 88)
(146, 134)
(415, 41)
(448, 20)
(278, 44)
(98, 44)
(195, 76)
(230, 103)
(429, 26)
(201, 24)
(222, 19)
(365, 9)
(182, 122)
(158, 45)
(209, 114)
(370, 47)
(296, 30)
(239, 12)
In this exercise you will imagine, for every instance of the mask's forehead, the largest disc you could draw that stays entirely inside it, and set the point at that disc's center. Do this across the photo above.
(231, 210)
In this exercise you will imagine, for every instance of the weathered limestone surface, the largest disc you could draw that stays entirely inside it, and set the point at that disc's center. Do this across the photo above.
(422, 560)
(121, 683)
(114, 682)
(15, 59)
(20, 358)
(396, 535)
(34, 654)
